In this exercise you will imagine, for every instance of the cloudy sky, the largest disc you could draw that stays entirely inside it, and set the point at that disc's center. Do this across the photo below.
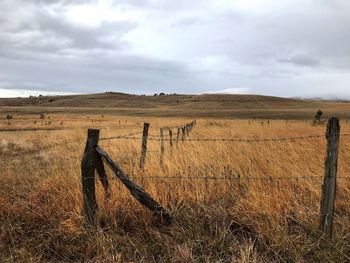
(283, 48)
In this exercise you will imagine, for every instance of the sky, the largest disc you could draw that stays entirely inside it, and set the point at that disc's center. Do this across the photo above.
(290, 48)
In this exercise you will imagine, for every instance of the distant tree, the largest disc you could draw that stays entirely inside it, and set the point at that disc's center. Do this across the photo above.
(8, 117)
(162, 94)
(155, 94)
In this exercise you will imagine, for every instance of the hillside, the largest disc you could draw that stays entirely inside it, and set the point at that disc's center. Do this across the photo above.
(208, 105)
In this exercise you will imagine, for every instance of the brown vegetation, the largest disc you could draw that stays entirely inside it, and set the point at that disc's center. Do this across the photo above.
(214, 220)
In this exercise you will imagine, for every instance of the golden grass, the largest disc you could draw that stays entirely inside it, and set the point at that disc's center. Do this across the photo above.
(41, 200)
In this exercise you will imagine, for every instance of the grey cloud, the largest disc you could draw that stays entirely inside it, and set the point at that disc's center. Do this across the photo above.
(49, 32)
(162, 7)
(301, 60)
(81, 37)
(57, 2)
(187, 21)
(44, 37)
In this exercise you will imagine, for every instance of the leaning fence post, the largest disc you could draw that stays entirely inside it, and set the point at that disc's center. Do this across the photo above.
(88, 166)
(161, 146)
(330, 176)
(144, 145)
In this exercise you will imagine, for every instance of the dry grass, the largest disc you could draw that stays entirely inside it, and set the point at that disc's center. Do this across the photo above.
(41, 200)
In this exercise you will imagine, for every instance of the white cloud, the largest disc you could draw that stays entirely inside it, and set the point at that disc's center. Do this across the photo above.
(229, 91)
(14, 93)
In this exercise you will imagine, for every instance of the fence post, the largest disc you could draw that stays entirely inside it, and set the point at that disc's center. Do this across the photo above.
(144, 145)
(330, 176)
(161, 146)
(177, 137)
(171, 139)
(183, 133)
(88, 166)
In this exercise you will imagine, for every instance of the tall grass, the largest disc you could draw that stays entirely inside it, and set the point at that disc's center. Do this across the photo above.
(215, 220)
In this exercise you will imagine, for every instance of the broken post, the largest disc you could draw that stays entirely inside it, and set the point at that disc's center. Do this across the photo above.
(136, 191)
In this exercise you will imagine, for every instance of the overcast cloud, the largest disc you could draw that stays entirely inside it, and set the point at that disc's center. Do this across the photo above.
(283, 48)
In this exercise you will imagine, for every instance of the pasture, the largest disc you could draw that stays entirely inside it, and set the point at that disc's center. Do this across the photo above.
(263, 206)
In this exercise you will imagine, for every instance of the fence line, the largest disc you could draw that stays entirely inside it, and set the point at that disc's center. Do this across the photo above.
(234, 139)
(92, 149)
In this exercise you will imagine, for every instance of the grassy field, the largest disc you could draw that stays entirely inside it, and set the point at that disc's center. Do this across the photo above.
(226, 220)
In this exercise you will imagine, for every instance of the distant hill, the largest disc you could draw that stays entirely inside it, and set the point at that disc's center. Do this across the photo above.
(206, 105)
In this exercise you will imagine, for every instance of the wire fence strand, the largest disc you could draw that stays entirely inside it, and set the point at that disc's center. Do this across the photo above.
(276, 139)
(125, 136)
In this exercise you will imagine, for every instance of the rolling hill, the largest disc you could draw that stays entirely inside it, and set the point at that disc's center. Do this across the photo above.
(207, 105)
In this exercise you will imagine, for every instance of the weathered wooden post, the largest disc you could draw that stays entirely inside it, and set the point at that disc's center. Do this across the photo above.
(136, 191)
(177, 137)
(183, 133)
(88, 166)
(161, 146)
(187, 128)
(330, 177)
(171, 139)
(144, 145)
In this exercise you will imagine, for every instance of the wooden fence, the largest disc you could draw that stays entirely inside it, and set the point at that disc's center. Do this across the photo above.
(94, 156)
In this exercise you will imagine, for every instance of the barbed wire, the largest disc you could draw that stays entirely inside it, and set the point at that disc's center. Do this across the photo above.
(154, 138)
(269, 178)
(228, 139)
(119, 136)
(157, 136)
